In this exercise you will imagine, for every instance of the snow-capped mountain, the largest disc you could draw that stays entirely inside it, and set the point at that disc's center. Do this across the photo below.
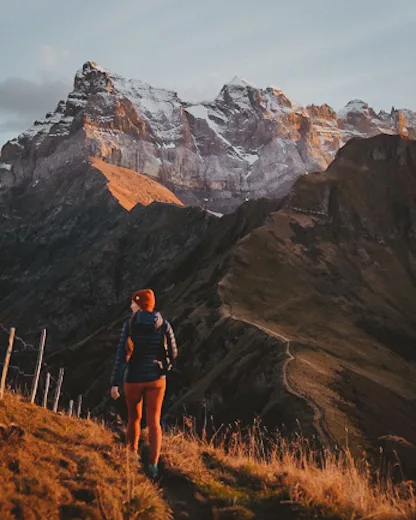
(247, 143)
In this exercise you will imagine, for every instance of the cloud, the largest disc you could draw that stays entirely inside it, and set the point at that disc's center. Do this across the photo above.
(22, 97)
(23, 101)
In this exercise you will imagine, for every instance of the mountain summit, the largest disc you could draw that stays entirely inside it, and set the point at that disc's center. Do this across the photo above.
(247, 143)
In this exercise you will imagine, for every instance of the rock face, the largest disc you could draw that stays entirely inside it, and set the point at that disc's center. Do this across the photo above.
(247, 143)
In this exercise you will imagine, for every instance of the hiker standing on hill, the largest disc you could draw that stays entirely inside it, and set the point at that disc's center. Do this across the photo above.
(148, 348)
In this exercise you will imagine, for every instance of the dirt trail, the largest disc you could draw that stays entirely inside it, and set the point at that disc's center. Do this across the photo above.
(185, 499)
(188, 501)
(182, 495)
(319, 421)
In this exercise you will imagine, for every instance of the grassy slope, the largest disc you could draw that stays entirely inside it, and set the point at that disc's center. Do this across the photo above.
(53, 466)
(57, 467)
(319, 309)
(344, 295)
(131, 188)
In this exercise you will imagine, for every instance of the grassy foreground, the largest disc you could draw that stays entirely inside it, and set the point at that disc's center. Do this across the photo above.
(53, 467)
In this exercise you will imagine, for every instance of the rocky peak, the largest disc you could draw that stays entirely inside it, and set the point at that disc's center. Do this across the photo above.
(237, 92)
(358, 119)
(355, 105)
(405, 122)
(239, 83)
(92, 78)
(240, 93)
(276, 99)
(369, 189)
(247, 143)
(321, 112)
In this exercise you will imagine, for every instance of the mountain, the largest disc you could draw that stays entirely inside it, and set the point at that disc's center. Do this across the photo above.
(294, 309)
(247, 143)
(48, 227)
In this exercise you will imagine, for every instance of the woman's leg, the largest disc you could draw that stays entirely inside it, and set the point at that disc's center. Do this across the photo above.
(155, 392)
(134, 401)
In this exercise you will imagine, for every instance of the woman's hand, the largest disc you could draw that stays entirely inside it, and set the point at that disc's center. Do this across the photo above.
(115, 394)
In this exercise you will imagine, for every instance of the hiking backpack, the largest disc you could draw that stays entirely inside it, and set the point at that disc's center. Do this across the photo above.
(166, 363)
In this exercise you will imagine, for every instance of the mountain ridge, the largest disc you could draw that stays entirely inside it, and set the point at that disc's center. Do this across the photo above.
(247, 143)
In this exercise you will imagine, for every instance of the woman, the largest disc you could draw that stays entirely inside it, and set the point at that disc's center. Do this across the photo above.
(148, 347)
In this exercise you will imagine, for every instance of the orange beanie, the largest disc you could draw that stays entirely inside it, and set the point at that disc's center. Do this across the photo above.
(145, 299)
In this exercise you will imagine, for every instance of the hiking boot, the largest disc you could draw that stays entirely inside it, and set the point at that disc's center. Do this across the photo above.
(152, 471)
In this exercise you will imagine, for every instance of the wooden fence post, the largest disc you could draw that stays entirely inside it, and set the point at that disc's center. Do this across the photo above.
(38, 366)
(79, 406)
(7, 362)
(71, 407)
(45, 394)
(58, 390)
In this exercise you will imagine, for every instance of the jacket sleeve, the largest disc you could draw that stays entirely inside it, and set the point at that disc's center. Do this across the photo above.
(170, 337)
(120, 361)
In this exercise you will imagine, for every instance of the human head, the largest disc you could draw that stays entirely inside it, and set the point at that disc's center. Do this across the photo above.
(134, 307)
(143, 300)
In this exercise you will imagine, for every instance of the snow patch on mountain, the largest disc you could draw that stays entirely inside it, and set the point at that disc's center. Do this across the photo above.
(209, 115)
(202, 112)
(239, 82)
(52, 126)
(355, 105)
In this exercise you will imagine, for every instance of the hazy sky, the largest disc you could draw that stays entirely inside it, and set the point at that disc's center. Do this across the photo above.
(315, 50)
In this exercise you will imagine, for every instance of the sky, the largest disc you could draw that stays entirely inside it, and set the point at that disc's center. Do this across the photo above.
(317, 51)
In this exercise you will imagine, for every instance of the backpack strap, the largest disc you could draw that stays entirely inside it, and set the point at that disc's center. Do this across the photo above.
(168, 363)
(129, 342)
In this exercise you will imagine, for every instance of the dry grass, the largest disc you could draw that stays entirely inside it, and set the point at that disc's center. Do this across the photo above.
(57, 467)
(53, 466)
(131, 188)
(320, 482)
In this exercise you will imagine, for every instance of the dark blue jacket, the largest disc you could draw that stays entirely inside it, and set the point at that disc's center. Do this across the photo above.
(148, 332)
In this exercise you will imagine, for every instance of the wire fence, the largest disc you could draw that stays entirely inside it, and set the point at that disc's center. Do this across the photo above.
(14, 377)
(25, 346)
(28, 347)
